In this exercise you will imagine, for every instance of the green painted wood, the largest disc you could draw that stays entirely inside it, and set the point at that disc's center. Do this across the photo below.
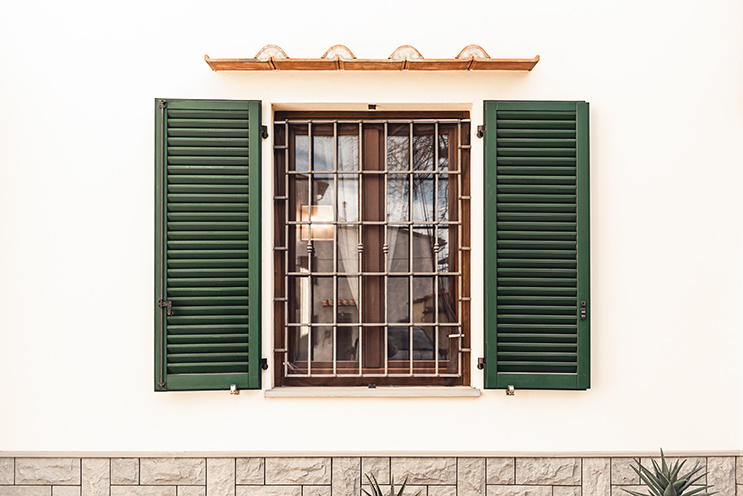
(537, 233)
(208, 244)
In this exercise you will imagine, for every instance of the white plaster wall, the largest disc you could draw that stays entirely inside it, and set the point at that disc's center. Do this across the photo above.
(77, 85)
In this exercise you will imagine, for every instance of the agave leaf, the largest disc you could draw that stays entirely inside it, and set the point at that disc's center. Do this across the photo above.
(698, 491)
(650, 480)
(676, 469)
(663, 461)
(376, 490)
(670, 491)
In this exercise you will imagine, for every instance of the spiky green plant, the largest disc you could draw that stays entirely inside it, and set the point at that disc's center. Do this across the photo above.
(377, 491)
(664, 480)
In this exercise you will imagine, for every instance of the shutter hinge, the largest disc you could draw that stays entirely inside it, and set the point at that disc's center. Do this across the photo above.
(264, 364)
(264, 132)
(480, 131)
(583, 310)
(161, 385)
(162, 104)
(480, 363)
(166, 304)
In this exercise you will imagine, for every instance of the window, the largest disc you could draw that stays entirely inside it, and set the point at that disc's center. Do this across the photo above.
(371, 248)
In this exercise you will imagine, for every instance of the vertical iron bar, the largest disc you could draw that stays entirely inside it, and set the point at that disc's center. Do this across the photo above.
(360, 253)
(411, 151)
(436, 246)
(386, 249)
(460, 240)
(336, 177)
(286, 252)
(310, 246)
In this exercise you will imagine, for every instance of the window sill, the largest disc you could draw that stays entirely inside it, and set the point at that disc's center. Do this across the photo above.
(379, 392)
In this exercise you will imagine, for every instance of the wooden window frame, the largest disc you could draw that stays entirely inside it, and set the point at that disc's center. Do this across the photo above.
(372, 344)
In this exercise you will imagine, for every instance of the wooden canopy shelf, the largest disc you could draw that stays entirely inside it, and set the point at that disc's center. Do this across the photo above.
(340, 58)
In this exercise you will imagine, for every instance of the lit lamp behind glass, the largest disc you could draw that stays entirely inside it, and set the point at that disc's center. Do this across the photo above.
(322, 222)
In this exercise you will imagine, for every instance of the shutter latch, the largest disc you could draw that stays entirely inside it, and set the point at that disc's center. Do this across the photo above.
(166, 304)
(583, 310)
(264, 132)
(480, 131)
(480, 363)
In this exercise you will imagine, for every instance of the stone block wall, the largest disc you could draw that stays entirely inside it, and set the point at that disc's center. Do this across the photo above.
(339, 476)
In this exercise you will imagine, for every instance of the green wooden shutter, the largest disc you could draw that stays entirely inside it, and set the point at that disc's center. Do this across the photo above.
(537, 245)
(208, 228)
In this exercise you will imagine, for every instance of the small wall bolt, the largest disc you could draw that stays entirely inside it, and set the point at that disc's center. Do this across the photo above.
(233, 389)
(510, 391)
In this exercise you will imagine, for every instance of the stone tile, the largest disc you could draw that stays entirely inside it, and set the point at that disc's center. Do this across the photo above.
(125, 471)
(65, 490)
(63, 471)
(471, 476)
(597, 476)
(444, 491)
(346, 476)
(143, 491)
(410, 490)
(269, 491)
(739, 489)
(172, 471)
(429, 470)
(25, 490)
(722, 474)
(191, 490)
(319, 490)
(519, 491)
(249, 471)
(739, 472)
(556, 471)
(220, 477)
(298, 470)
(622, 473)
(96, 476)
(619, 490)
(567, 491)
(377, 466)
(501, 471)
(6, 471)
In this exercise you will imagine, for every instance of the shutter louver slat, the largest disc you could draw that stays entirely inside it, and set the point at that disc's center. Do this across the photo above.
(535, 332)
(210, 340)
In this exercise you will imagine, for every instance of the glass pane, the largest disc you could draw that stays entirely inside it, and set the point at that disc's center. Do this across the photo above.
(423, 153)
(443, 198)
(444, 256)
(423, 299)
(443, 152)
(398, 296)
(348, 249)
(299, 353)
(322, 152)
(299, 304)
(423, 198)
(348, 197)
(348, 297)
(447, 299)
(445, 342)
(298, 194)
(398, 198)
(322, 300)
(348, 152)
(322, 252)
(398, 148)
(424, 239)
(348, 344)
(398, 252)
(398, 343)
(301, 152)
(322, 345)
